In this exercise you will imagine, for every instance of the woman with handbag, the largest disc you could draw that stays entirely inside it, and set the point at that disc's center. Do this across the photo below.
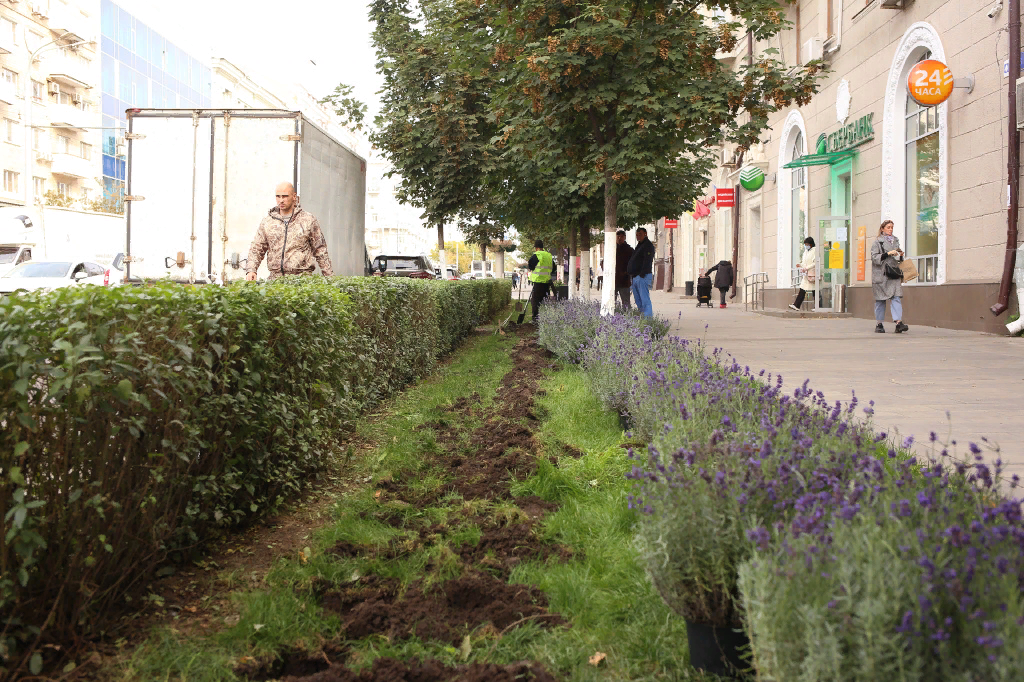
(807, 263)
(887, 278)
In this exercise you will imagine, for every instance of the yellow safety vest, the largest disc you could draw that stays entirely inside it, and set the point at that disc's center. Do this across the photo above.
(545, 269)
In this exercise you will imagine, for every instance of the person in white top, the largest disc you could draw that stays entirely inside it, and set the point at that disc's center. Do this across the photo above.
(600, 274)
(807, 267)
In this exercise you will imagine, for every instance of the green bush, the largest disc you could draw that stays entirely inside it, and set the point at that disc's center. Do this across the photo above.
(138, 422)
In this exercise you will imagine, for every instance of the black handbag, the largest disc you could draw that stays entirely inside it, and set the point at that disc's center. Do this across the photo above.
(892, 269)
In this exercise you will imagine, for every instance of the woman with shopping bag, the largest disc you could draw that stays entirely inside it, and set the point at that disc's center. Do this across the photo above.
(887, 277)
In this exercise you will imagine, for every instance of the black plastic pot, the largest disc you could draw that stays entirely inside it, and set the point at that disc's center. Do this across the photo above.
(717, 650)
(625, 421)
(561, 291)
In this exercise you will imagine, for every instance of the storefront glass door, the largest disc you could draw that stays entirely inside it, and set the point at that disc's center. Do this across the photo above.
(834, 238)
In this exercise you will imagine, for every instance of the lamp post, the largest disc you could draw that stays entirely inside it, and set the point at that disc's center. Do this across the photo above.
(28, 111)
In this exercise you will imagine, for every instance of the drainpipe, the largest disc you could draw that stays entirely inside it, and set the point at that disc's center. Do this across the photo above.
(1018, 326)
(735, 239)
(1013, 161)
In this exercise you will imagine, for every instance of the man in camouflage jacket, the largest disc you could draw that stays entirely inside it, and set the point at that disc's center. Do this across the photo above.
(291, 240)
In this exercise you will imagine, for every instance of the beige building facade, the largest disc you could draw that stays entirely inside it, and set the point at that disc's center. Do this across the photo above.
(862, 151)
(49, 132)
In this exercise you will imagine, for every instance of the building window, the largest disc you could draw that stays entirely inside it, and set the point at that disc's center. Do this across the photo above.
(798, 201)
(38, 91)
(86, 151)
(9, 30)
(63, 189)
(37, 139)
(39, 186)
(63, 144)
(9, 76)
(11, 182)
(10, 130)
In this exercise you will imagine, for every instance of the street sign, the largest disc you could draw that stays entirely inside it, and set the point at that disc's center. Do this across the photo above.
(725, 197)
(930, 83)
(671, 223)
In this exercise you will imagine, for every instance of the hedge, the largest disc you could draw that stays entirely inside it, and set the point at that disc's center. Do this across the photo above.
(136, 423)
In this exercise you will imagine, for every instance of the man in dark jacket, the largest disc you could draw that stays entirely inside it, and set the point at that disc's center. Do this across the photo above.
(641, 267)
(623, 252)
(723, 278)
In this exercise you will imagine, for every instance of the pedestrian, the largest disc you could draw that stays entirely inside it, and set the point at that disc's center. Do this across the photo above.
(723, 279)
(600, 274)
(807, 266)
(887, 278)
(290, 238)
(515, 279)
(623, 252)
(542, 268)
(641, 268)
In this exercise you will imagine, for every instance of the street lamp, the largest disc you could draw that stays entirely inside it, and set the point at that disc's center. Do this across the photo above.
(28, 111)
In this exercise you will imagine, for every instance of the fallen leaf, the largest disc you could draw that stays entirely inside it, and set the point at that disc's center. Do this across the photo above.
(597, 658)
(467, 648)
(257, 626)
(378, 494)
(190, 609)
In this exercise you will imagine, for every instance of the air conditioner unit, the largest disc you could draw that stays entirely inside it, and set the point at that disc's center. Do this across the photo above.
(54, 88)
(1020, 104)
(891, 4)
(44, 156)
(812, 49)
(120, 150)
(76, 99)
(40, 10)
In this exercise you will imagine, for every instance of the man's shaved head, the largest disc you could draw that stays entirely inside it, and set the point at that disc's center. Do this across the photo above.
(284, 194)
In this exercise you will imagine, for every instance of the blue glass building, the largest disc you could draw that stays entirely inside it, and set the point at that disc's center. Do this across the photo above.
(142, 69)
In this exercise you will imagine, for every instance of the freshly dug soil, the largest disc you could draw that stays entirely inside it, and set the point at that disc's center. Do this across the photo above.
(290, 663)
(446, 613)
(391, 670)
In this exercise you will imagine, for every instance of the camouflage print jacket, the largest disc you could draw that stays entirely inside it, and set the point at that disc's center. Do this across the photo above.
(292, 247)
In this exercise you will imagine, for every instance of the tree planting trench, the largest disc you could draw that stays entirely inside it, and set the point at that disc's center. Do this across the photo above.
(479, 450)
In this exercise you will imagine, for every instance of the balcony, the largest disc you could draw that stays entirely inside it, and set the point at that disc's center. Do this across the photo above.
(8, 92)
(67, 116)
(72, 166)
(44, 156)
(68, 70)
(66, 19)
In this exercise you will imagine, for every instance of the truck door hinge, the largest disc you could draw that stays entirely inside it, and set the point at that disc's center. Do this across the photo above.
(134, 197)
(134, 136)
(291, 138)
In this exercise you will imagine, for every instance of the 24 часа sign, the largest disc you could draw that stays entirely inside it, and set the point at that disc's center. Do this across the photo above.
(847, 137)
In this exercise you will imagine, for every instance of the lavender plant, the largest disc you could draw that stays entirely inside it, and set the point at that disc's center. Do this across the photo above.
(920, 579)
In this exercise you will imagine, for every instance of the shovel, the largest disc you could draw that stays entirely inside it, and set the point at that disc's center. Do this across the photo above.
(520, 308)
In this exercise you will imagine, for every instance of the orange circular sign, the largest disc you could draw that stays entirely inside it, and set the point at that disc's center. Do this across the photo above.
(930, 82)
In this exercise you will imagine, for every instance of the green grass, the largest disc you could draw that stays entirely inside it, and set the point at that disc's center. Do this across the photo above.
(603, 592)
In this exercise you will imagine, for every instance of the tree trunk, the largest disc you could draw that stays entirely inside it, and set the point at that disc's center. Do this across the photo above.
(572, 261)
(611, 224)
(671, 258)
(585, 260)
(440, 250)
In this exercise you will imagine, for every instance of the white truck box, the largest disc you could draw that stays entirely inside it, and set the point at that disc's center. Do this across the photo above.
(200, 181)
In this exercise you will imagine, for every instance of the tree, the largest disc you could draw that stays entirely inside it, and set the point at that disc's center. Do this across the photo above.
(434, 126)
(626, 99)
(350, 110)
(462, 251)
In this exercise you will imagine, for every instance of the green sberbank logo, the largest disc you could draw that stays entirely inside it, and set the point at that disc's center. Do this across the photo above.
(751, 178)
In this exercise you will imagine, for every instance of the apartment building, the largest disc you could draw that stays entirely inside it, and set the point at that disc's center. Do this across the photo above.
(234, 89)
(50, 127)
(862, 151)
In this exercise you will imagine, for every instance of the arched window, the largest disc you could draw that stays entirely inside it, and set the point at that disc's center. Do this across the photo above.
(922, 171)
(914, 159)
(798, 201)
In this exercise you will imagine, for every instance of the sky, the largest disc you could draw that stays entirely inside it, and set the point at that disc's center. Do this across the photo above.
(276, 40)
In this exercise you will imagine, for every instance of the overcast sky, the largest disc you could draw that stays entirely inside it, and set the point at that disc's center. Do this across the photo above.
(278, 40)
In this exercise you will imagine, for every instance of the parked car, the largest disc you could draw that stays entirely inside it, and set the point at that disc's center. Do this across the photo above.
(12, 255)
(418, 267)
(46, 275)
(451, 272)
(114, 275)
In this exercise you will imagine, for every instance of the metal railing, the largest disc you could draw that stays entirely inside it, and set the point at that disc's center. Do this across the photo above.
(753, 291)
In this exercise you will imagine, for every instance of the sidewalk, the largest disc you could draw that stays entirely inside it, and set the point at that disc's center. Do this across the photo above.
(914, 378)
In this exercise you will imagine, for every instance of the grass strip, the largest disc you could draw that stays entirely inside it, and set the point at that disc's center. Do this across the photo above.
(601, 589)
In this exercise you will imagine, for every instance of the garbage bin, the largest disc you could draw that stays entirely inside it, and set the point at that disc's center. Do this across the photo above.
(689, 288)
(561, 292)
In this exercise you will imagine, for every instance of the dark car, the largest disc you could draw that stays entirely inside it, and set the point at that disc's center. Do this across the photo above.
(403, 266)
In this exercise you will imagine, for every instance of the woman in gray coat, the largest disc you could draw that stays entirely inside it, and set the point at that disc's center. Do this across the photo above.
(887, 248)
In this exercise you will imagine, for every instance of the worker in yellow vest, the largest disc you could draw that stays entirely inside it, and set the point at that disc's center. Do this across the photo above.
(542, 269)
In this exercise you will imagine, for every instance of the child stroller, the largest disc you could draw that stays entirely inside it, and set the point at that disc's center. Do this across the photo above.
(704, 291)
